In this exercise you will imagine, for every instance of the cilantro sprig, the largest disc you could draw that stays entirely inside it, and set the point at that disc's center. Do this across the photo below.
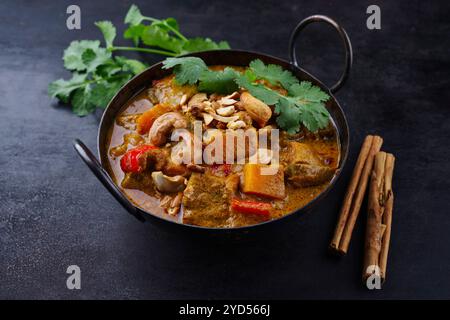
(165, 34)
(97, 73)
(302, 106)
(190, 70)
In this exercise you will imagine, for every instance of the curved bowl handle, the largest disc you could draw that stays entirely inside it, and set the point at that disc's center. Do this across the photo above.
(344, 38)
(93, 164)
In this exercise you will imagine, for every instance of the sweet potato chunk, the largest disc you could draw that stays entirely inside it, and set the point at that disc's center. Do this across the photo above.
(145, 121)
(270, 186)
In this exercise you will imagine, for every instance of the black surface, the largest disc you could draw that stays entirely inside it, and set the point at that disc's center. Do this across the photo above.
(54, 213)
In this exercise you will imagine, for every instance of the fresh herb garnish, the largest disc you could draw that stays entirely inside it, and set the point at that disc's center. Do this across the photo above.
(187, 70)
(97, 74)
(190, 70)
(165, 34)
(303, 104)
(273, 73)
(218, 81)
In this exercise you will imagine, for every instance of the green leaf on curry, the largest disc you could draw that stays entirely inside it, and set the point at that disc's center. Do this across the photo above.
(220, 81)
(288, 115)
(304, 104)
(273, 73)
(307, 92)
(187, 70)
(259, 91)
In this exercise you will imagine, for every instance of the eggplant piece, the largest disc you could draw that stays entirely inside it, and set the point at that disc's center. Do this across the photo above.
(307, 175)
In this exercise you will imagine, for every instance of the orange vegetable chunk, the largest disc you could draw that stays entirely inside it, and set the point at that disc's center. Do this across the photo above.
(145, 121)
(270, 186)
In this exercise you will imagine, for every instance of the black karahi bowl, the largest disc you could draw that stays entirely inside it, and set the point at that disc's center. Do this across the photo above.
(220, 57)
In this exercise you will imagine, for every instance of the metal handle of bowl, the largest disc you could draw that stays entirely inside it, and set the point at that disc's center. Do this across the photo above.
(91, 161)
(344, 38)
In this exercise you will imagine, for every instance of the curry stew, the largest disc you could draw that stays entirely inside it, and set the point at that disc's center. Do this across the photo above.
(140, 158)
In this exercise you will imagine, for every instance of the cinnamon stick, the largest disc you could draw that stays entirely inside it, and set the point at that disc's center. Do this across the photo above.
(379, 215)
(355, 194)
(387, 215)
(374, 215)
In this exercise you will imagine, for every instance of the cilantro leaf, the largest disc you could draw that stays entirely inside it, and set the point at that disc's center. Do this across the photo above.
(92, 59)
(96, 87)
(187, 70)
(288, 115)
(134, 16)
(109, 68)
(134, 32)
(154, 35)
(62, 89)
(273, 73)
(134, 66)
(168, 24)
(104, 91)
(158, 34)
(72, 55)
(108, 30)
(291, 115)
(304, 104)
(306, 91)
(97, 74)
(164, 34)
(220, 82)
(81, 104)
(203, 44)
(312, 114)
(319, 113)
(259, 91)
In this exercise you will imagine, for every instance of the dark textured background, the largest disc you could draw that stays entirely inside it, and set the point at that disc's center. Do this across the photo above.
(54, 213)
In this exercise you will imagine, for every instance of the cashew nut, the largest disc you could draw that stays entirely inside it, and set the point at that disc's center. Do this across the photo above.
(225, 111)
(233, 125)
(197, 99)
(168, 184)
(163, 125)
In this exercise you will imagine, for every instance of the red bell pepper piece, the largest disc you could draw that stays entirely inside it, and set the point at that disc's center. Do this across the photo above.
(225, 168)
(251, 207)
(130, 160)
